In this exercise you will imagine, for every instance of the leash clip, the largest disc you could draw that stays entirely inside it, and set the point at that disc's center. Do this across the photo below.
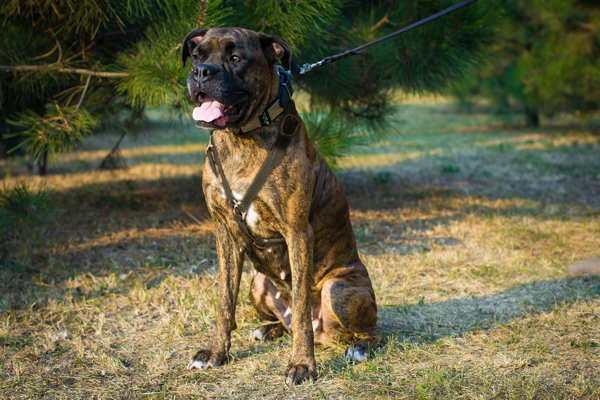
(307, 67)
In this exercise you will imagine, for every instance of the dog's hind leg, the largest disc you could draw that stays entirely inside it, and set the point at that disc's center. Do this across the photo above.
(270, 306)
(349, 308)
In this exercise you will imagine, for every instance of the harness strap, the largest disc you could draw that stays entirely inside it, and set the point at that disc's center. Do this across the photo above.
(215, 165)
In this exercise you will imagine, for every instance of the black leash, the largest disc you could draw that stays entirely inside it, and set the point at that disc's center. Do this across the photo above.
(307, 67)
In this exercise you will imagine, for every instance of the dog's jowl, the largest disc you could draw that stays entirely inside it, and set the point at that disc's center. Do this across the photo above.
(273, 199)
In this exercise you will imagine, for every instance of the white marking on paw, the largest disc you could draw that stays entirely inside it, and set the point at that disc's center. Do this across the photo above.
(283, 275)
(359, 356)
(197, 364)
(288, 312)
(356, 355)
(277, 295)
(256, 335)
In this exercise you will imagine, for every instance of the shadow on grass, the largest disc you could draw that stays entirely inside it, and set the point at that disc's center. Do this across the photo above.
(431, 321)
(122, 223)
(567, 174)
(108, 227)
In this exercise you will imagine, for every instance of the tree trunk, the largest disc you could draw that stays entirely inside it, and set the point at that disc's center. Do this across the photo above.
(37, 165)
(113, 159)
(533, 117)
(503, 104)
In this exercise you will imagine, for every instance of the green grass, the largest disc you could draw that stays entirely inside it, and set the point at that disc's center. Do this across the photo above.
(467, 222)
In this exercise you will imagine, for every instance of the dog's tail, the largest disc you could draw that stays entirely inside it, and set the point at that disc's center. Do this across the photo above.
(585, 267)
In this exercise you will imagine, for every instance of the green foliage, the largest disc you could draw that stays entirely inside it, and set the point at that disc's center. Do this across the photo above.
(296, 21)
(547, 58)
(427, 59)
(333, 135)
(24, 208)
(59, 131)
(132, 52)
(71, 41)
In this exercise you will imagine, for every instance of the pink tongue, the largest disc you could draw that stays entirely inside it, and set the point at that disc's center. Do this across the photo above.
(209, 110)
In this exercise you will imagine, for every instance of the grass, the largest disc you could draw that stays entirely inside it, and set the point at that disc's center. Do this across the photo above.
(466, 221)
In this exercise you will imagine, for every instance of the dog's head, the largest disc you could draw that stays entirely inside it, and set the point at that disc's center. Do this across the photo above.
(229, 73)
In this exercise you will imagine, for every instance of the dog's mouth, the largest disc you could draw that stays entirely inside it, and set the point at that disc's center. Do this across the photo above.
(214, 113)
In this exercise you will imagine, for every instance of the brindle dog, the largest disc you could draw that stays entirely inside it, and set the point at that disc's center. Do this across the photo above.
(314, 285)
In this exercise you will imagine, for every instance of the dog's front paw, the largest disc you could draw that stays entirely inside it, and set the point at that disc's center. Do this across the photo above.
(298, 373)
(207, 359)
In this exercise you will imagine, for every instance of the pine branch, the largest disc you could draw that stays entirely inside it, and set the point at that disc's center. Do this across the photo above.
(57, 68)
(60, 52)
(381, 22)
(87, 85)
(201, 13)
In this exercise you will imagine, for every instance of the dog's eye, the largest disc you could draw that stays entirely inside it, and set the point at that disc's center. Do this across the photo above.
(235, 59)
(195, 57)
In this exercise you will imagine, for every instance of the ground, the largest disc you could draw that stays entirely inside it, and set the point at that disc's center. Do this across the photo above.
(466, 221)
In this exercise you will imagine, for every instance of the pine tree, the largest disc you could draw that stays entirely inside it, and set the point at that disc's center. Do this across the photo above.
(426, 59)
(68, 65)
(547, 59)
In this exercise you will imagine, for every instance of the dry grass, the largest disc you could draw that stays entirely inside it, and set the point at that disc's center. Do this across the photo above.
(467, 223)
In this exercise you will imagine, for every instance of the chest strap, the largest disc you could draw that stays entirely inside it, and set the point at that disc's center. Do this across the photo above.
(289, 127)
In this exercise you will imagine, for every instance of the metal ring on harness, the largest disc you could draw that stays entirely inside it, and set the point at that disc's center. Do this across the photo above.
(289, 125)
(237, 210)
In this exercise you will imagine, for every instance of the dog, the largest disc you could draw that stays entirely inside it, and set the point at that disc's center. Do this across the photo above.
(308, 278)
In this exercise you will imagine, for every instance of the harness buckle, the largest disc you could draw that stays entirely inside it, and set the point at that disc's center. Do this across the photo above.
(238, 211)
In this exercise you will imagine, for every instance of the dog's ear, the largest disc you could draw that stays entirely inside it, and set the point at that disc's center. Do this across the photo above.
(190, 42)
(276, 49)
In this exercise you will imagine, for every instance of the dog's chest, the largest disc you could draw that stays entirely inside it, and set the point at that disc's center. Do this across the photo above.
(252, 217)
(259, 218)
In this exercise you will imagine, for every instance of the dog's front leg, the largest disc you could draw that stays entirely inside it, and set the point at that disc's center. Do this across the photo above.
(302, 364)
(230, 272)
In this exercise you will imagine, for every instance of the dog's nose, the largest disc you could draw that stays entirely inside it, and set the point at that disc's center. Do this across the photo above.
(203, 71)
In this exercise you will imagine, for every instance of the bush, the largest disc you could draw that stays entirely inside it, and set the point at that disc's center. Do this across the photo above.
(23, 208)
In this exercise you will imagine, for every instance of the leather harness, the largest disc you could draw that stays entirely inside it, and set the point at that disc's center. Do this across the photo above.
(288, 129)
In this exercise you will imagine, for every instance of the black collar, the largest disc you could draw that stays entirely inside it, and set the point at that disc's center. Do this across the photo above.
(276, 107)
